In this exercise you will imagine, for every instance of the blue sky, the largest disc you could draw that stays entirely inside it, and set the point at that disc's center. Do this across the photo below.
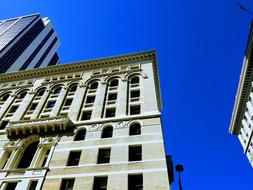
(200, 48)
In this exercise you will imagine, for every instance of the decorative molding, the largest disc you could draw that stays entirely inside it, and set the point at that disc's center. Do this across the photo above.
(121, 124)
(82, 85)
(51, 126)
(95, 127)
(31, 92)
(88, 65)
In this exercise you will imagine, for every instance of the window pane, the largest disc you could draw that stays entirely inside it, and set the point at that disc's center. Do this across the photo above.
(94, 85)
(135, 129)
(107, 132)
(104, 156)
(135, 182)
(4, 124)
(112, 97)
(80, 135)
(67, 184)
(33, 185)
(50, 104)
(90, 99)
(100, 183)
(134, 110)
(110, 112)
(135, 153)
(86, 115)
(68, 102)
(135, 93)
(114, 83)
(74, 157)
(11, 186)
(135, 80)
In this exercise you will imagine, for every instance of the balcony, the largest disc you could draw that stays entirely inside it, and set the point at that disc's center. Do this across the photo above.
(50, 126)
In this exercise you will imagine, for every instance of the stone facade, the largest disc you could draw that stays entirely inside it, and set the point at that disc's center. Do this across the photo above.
(83, 122)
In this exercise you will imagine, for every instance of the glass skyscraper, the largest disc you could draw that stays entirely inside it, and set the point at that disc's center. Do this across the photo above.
(27, 42)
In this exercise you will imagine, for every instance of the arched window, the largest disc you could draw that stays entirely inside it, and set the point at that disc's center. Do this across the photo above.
(73, 88)
(40, 92)
(22, 94)
(135, 80)
(134, 96)
(80, 135)
(28, 155)
(68, 99)
(107, 132)
(135, 129)
(109, 109)
(93, 86)
(56, 90)
(114, 83)
(5, 97)
(89, 100)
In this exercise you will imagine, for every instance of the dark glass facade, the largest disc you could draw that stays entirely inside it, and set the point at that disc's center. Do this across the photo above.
(16, 37)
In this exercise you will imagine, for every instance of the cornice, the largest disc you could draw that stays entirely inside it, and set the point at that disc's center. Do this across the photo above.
(88, 65)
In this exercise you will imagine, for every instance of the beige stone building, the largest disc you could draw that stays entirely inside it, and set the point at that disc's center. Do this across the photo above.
(91, 125)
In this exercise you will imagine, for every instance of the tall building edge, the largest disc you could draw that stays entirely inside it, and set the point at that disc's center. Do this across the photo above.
(27, 42)
(241, 123)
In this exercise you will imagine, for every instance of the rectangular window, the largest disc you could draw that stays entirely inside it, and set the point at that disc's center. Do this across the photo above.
(135, 94)
(45, 158)
(67, 184)
(33, 106)
(90, 99)
(11, 186)
(135, 153)
(33, 185)
(68, 102)
(134, 110)
(112, 97)
(4, 123)
(135, 182)
(50, 104)
(100, 183)
(86, 115)
(74, 157)
(104, 155)
(13, 109)
(110, 112)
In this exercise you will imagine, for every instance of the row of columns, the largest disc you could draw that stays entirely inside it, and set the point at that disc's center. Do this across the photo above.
(97, 109)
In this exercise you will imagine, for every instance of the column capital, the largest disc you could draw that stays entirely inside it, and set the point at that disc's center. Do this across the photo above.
(82, 85)
(14, 95)
(31, 92)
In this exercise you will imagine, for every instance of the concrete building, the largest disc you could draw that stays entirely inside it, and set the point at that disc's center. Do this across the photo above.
(242, 118)
(92, 125)
(27, 42)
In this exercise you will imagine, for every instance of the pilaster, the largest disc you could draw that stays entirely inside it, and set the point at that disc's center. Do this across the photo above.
(6, 105)
(23, 106)
(99, 101)
(41, 104)
(122, 98)
(77, 102)
(59, 102)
